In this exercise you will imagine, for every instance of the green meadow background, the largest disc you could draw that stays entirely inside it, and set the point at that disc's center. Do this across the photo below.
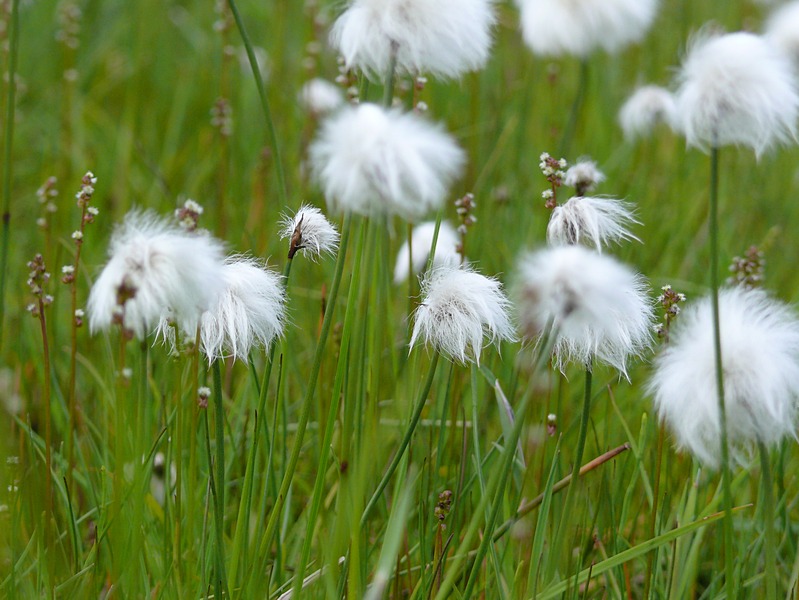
(129, 95)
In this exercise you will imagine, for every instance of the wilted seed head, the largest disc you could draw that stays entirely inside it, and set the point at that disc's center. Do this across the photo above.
(373, 161)
(748, 270)
(421, 243)
(310, 232)
(598, 306)
(594, 221)
(584, 176)
(445, 38)
(250, 311)
(736, 89)
(203, 394)
(459, 308)
(760, 363)
(645, 108)
(579, 27)
(172, 272)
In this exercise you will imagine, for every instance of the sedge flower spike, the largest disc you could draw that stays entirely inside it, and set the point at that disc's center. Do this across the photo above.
(249, 312)
(579, 27)
(444, 38)
(736, 89)
(163, 270)
(459, 309)
(594, 221)
(782, 30)
(309, 232)
(760, 362)
(598, 307)
(373, 161)
(647, 107)
(421, 243)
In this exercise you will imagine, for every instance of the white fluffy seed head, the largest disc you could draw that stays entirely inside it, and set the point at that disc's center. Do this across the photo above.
(584, 176)
(647, 107)
(249, 312)
(579, 27)
(319, 96)
(593, 221)
(444, 38)
(459, 309)
(172, 271)
(782, 30)
(421, 243)
(373, 161)
(599, 308)
(760, 362)
(309, 232)
(736, 89)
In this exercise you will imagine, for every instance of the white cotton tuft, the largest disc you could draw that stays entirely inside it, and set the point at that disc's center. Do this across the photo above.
(459, 308)
(760, 361)
(444, 38)
(421, 243)
(782, 30)
(736, 89)
(249, 312)
(319, 96)
(584, 176)
(373, 161)
(579, 27)
(309, 232)
(599, 307)
(170, 270)
(593, 221)
(645, 108)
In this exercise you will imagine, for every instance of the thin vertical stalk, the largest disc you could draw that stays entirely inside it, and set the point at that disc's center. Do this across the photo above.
(259, 83)
(406, 438)
(574, 113)
(768, 521)
(48, 441)
(313, 377)
(578, 460)
(8, 142)
(729, 567)
(388, 90)
(219, 438)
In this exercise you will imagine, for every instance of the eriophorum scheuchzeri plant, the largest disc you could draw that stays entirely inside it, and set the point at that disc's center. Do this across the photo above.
(594, 309)
(760, 366)
(734, 89)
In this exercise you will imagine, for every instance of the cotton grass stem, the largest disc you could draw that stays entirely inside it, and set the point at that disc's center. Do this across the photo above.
(406, 439)
(568, 506)
(313, 377)
(7, 144)
(219, 509)
(768, 521)
(729, 566)
(574, 112)
(259, 83)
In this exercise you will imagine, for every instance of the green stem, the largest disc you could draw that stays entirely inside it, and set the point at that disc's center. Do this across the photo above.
(8, 142)
(574, 113)
(388, 90)
(417, 413)
(568, 505)
(729, 568)
(305, 411)
(768, 522)
(219, 547)
(259, 83)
